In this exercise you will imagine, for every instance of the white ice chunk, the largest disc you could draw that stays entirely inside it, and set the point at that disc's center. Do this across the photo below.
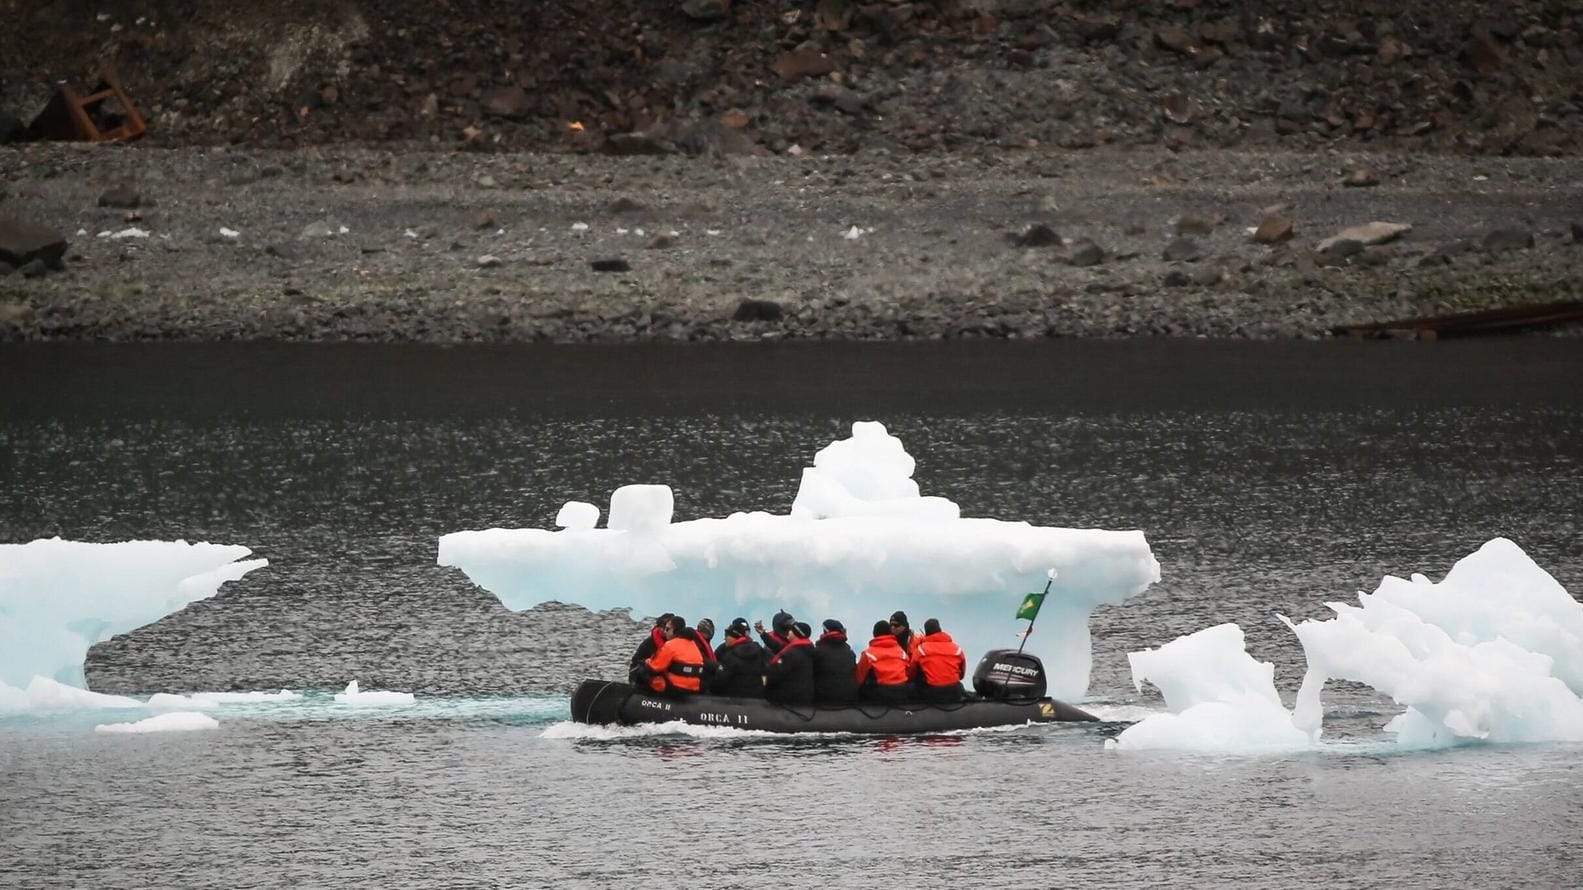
(856, 566)
(1492, 652)
(1221, 699)
(869, 474)
(131, 232)
(206, 701)
(175, 721)
(641, 508)
(58, 597)
(355, 696)
(43, 695)
(229, 233)
(577, 515)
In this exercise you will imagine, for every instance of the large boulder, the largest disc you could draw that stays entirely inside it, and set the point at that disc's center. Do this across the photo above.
(22, 241)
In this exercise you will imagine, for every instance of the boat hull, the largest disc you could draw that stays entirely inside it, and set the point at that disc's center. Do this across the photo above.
(605, 702)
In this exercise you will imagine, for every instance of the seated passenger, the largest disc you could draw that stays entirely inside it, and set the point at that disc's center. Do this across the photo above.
(637, 670)
(678, 668)
(902, 631)
(741, 671)
(776, 636)
(789, 678)
(882, 671)
(834, 666)
(939, 665)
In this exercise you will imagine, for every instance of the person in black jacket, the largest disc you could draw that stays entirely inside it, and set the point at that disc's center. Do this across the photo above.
(741, 669)
(637, 669)
(834, 666)
(789, 678)
(777, 635)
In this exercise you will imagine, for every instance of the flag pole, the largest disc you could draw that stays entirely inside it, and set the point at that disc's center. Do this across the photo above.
(1029, 632)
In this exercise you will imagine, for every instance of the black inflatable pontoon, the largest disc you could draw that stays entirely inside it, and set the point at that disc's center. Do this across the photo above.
(1011, 693)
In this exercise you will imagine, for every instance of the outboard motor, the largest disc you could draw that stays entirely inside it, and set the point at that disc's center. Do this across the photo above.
(1009, 675)
(599, 701)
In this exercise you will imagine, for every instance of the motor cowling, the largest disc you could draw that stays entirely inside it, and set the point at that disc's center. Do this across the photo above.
(1009, 675)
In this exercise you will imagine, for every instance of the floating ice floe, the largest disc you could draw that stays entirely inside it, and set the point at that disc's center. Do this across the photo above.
(132, 232)
(1221, 700)
(175, 721)
(58, 597)
(1494, 652)
(355, 696)
(206, 701)
(859, 542)
(44, 695)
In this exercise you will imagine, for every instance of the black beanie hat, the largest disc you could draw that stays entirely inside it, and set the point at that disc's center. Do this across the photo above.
(882, 629)
(737, 628)
(803, 630)
(932, 626)
(832, 625)
(706, 627)
(781, 622)
(900, 617)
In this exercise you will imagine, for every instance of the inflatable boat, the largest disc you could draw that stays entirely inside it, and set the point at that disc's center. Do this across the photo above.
(1009, 690)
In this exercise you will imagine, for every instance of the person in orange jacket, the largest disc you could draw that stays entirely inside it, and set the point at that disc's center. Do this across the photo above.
(938, 665)
(679, 665)
(882, 669)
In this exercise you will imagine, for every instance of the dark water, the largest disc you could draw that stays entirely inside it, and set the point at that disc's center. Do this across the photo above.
(1268, 477)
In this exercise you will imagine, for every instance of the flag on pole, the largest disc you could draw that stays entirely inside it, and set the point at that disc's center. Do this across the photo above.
(1030, 607)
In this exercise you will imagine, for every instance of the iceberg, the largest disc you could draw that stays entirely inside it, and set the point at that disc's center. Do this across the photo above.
(57, 598)
(1492, 653)
(1220, 699)
(859, 541)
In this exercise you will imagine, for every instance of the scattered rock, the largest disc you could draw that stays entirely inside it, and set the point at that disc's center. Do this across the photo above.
(1037, 235)
(508, 102)
(1085, 253)
(1177, 278)
(842, 98)
(1368, 233)
(1177, 108)
(624, 204)
(483, 220)
(124, 196)
(1184, 250)
(1176, 40)
(1508, 238)
(33, 269)
(705, 10)
(1208, 276)
(759, 310)
(661, 241)
(1374, 257)
(1194, 224)
(6, 268)
(316, 229)
(1577, 233)
(637, 143)
(488, 261)
(610, 264)
(806, 61)
(1273, 230)
(1339, 252)
(1361, 178)
(22, 242)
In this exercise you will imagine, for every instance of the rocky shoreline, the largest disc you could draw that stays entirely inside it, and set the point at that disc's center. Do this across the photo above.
(407, 245)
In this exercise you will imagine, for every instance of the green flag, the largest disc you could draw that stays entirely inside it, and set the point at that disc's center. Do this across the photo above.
(1030, 606)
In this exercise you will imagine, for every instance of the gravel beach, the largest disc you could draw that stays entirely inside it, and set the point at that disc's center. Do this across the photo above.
(397, 245)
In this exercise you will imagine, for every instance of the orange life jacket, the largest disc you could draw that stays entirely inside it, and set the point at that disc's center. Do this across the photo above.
(884, 660)
(678, 665)
(940, 660)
